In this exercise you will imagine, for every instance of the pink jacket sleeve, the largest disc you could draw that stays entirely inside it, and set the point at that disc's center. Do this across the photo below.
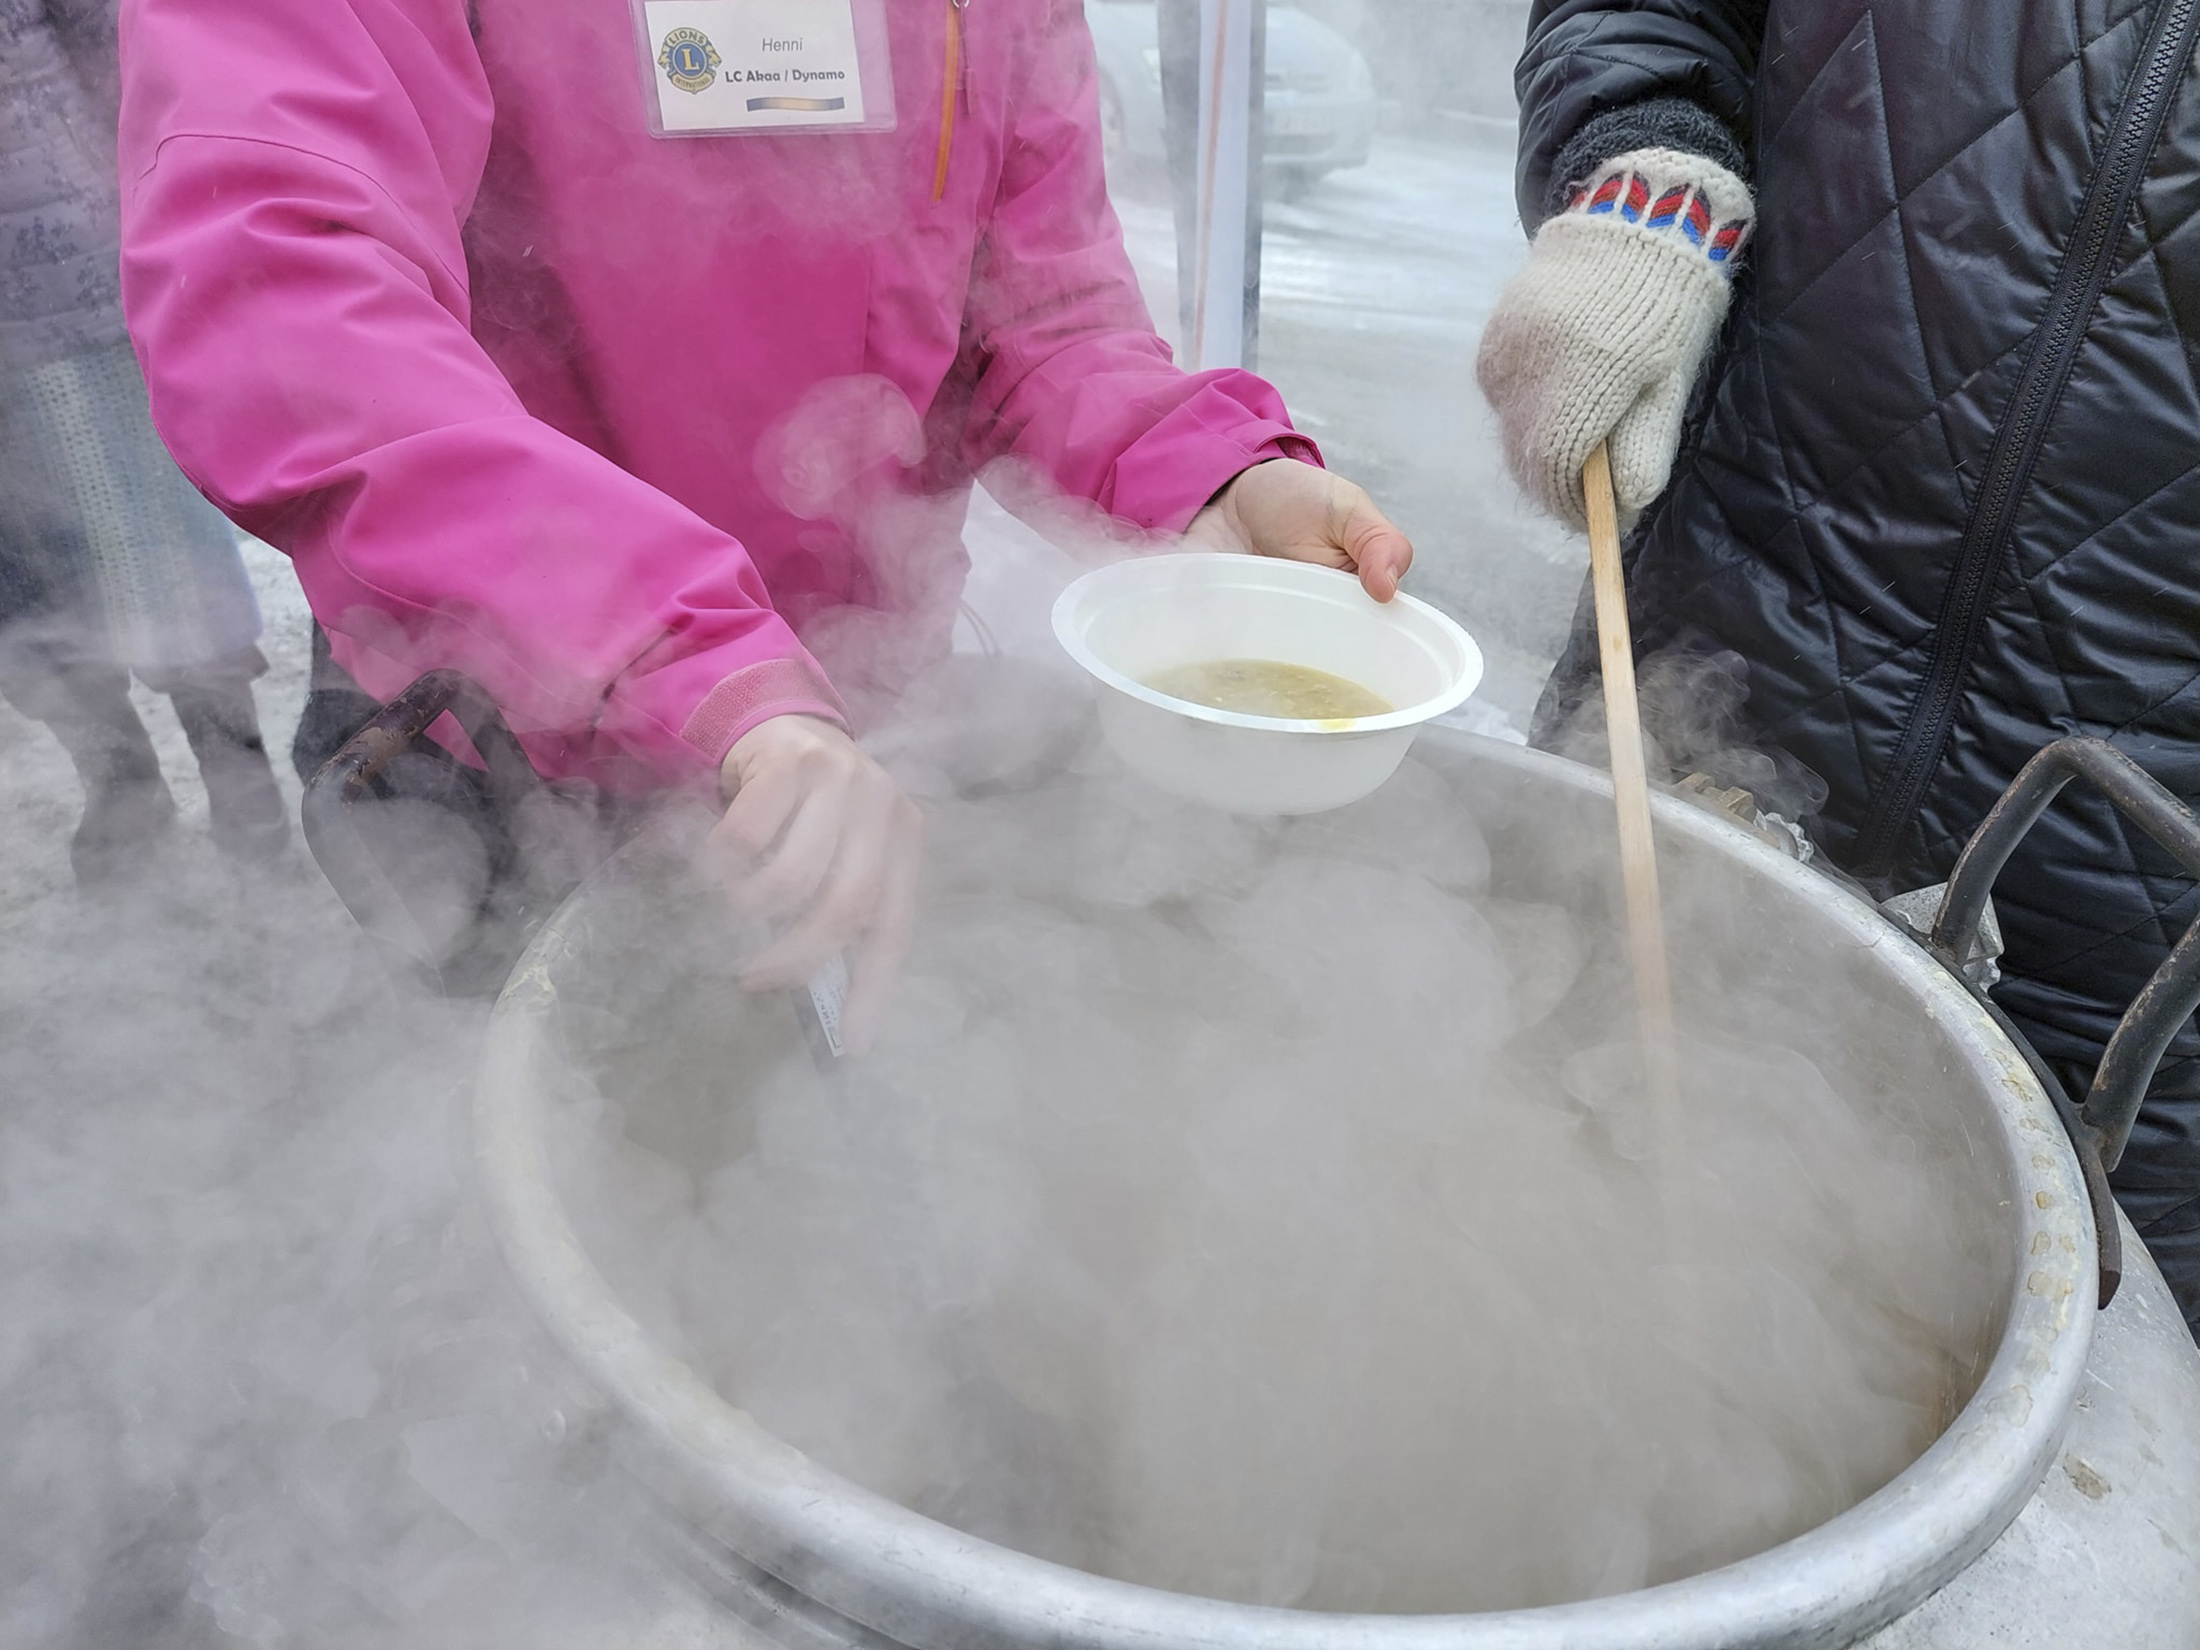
(295, 176)
(1069, 377)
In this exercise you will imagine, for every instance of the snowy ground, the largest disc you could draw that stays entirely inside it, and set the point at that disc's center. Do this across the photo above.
(262, 1379)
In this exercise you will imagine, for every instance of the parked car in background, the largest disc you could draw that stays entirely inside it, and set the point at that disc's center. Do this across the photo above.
(1320, 97)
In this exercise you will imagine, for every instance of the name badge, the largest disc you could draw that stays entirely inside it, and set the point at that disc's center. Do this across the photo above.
(720, 67)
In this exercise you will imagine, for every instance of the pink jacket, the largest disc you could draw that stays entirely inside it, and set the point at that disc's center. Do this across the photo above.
(607, 420)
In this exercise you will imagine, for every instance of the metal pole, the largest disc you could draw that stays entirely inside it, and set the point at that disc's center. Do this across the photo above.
(1178, 22)
(1212, 72)
(1256, 177)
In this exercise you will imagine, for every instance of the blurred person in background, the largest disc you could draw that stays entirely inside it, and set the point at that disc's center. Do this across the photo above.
(109, 561)
(550, 353)
(1926, 460)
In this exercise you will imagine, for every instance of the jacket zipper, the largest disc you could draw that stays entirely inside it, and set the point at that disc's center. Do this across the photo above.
(951, 84)
(2102, 216)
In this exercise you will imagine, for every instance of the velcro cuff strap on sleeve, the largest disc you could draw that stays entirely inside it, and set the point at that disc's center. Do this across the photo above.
(771, 687)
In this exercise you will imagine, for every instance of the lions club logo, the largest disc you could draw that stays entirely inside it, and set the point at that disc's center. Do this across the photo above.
(689, 60)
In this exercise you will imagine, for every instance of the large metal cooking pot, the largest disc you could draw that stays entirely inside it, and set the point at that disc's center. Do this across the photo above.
(2073, 1467)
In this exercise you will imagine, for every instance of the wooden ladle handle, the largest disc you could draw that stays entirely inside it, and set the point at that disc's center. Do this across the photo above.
(1630, 786)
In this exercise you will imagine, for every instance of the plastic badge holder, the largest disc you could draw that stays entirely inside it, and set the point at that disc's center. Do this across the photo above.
(737, 68)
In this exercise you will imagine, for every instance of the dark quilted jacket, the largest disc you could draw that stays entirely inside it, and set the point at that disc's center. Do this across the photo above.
(1943, 491)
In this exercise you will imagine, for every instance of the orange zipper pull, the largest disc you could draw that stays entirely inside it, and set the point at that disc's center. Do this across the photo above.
(950, 87)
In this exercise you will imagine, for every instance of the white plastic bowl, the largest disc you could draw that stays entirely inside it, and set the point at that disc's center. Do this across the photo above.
(1130, 621)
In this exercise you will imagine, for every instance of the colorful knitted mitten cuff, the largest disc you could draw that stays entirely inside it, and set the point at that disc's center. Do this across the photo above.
(1663, 191)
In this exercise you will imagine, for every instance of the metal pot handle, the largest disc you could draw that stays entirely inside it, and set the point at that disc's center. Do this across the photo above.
(2101, 1127)
(341, 782)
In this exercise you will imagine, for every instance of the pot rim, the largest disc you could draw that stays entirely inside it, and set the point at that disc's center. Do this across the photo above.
(928, 1586)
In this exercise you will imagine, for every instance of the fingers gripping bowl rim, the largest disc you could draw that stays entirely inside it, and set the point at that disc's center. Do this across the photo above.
(1127, 622)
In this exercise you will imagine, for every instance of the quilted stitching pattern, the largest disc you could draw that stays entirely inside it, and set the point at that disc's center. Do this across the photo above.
(1920, 167)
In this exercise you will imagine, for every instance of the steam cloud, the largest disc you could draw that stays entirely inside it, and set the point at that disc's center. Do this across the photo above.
(1270, 1211)
(1266, 1211)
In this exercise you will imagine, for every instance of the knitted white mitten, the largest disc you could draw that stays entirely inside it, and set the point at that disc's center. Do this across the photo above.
(1601, 334)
